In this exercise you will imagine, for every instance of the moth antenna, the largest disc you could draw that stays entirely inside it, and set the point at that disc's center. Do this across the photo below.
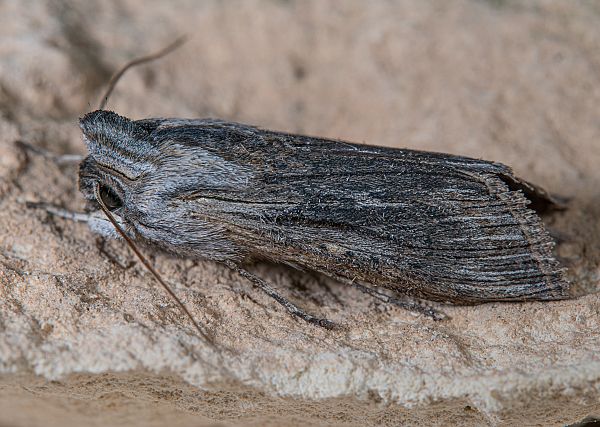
(144, 261)
(117, 76)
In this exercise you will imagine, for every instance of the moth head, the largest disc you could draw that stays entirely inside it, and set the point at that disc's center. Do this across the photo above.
(119, 154)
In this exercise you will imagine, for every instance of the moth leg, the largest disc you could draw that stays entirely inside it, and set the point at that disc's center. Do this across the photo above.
(59, 159)
(289, 306)
(60, 212)
(404, 302)
(96, 220)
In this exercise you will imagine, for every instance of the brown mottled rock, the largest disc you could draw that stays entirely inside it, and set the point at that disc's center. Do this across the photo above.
(87, 336)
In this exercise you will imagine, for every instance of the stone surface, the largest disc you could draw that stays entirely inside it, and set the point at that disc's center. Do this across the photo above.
(87, 335)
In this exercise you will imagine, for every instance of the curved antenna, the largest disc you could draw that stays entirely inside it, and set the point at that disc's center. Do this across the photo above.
(117, 76)
(146, 263)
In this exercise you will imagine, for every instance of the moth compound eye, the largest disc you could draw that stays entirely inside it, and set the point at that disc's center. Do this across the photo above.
(110, 198)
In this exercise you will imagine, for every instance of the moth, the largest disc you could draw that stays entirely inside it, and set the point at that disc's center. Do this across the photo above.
(428, 226)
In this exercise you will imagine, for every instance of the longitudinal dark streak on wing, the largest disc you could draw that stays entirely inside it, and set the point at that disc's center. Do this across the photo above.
(435, 226)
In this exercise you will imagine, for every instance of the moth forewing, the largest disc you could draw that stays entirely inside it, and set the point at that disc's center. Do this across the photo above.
(431, 225)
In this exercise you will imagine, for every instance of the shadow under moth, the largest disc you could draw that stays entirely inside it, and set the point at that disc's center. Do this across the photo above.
(426, 225)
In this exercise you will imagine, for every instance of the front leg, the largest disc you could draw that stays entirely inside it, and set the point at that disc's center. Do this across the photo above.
(96, 220)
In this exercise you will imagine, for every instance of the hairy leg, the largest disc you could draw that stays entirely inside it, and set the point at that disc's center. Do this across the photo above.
(289, 306)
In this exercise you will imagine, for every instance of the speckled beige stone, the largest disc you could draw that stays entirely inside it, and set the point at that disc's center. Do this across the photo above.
(87, 336)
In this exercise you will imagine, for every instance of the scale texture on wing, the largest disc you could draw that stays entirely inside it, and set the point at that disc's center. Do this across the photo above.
(432, 225)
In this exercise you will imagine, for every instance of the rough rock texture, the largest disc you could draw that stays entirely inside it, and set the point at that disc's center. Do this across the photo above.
(86, 335)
